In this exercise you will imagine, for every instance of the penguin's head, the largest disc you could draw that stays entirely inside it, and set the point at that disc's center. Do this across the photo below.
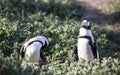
(85, 24)
(46, 42)
(85, 28)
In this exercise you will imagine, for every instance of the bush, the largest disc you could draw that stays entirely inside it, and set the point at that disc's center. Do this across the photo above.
(108, 66)
(21, 9)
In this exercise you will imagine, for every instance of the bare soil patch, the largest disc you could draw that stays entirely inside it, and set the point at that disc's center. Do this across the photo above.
(97, 10)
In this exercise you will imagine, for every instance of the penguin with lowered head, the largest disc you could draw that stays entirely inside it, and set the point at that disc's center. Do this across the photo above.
(32, 50)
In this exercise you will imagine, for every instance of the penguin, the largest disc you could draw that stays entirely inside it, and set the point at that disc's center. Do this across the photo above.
(32, 50)
(86, 45)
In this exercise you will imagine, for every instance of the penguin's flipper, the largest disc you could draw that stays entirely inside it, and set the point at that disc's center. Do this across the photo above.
(96, 54)
(94, 50)
(74, 53)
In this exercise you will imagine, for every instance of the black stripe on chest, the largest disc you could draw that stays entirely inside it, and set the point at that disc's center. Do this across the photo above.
(35, 41)
(88, 37)
(23, 49)
(93, 46)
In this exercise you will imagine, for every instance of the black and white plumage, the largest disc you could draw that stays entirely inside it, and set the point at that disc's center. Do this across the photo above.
(33, 49)
(86, 46)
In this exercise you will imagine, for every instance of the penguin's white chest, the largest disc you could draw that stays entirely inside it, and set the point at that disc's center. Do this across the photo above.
(33, 52)
(84, 49)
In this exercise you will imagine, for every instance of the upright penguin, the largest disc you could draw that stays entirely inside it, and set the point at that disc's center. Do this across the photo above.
(86, 46)
(33, 49)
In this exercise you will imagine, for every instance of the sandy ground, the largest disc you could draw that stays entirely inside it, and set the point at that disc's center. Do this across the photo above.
(97, 10)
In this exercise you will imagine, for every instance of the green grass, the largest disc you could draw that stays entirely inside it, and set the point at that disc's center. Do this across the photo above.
(59, 20)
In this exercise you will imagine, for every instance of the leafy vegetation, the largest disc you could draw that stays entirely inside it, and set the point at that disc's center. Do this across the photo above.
(59, 20)
(116, 11)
